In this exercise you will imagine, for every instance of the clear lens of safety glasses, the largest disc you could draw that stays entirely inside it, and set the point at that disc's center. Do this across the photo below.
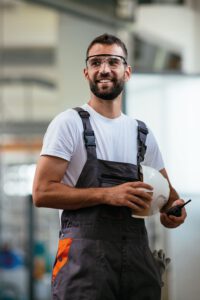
(113, 61)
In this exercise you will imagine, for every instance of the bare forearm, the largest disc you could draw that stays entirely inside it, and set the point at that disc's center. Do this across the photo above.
(48, 191)
(61, 196)
(173, 196)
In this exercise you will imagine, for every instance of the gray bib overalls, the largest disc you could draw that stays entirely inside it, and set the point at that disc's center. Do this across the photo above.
(103, 252)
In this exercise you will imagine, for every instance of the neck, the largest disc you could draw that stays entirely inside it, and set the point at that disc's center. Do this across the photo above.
(108, 108)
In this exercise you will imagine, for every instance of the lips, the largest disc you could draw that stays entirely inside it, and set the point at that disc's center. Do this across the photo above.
(103, 80)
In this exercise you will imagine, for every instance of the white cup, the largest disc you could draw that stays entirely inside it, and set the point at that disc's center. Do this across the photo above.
(160, 191)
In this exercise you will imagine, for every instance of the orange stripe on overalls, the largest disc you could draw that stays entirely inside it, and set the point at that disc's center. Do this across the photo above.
(62, 256)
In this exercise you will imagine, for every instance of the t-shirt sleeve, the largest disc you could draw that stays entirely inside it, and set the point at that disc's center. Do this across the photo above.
(60, 139)
(153, 156)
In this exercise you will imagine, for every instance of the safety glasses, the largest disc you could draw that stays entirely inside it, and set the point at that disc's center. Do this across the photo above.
(113, 61)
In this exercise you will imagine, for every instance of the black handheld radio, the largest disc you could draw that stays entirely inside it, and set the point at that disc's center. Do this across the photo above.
(176, 210)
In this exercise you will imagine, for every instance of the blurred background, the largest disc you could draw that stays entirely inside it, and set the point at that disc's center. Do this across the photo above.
(42, 54)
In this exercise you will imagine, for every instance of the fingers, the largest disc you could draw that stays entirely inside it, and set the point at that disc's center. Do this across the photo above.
(177, 220)
(172, 221)
(161, 260)
(160, 254)
(140, 184)
(135, 203)
(140, 190)
(135, 195)
(138, 195)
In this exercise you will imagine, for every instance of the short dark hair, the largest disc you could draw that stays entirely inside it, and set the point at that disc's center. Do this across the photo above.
(107, 39)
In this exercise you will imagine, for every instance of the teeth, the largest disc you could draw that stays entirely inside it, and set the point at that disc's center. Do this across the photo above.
(104, 80)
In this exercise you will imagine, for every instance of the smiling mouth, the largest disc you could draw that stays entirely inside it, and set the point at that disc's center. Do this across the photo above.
(104, 81)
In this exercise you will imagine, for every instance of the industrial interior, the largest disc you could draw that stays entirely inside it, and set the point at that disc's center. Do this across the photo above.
(42, 56)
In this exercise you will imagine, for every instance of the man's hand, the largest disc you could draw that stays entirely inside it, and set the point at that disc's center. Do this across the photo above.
(135, 195)
(172, 221)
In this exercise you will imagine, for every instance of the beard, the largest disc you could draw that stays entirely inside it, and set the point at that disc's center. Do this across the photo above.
(108, 93)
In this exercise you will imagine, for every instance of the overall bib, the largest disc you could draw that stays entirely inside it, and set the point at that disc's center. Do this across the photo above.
(103, 252)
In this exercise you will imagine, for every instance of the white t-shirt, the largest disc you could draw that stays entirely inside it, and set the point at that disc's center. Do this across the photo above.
(116, 140)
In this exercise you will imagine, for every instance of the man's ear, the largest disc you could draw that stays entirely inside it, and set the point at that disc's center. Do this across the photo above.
(85, 72)
(127, 73)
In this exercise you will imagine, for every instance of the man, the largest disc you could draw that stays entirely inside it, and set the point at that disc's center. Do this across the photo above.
(90, 169)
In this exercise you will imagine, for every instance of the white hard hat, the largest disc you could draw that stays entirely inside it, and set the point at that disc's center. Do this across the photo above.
(160, 186)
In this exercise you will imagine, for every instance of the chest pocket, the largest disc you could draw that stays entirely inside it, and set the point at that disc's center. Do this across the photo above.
(112, 180)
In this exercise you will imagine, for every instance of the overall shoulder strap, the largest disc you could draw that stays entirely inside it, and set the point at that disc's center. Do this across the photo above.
(88, 133)
(141, 139)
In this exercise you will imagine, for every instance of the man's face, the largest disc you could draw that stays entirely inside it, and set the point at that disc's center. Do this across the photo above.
(106, 71)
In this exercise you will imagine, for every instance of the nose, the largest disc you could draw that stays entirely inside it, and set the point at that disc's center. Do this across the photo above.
(104, 68)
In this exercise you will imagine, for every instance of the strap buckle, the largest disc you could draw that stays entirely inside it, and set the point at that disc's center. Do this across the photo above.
(143, 130)
(89, 138)
(84, 114)
(141, 152)
(142, 149)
